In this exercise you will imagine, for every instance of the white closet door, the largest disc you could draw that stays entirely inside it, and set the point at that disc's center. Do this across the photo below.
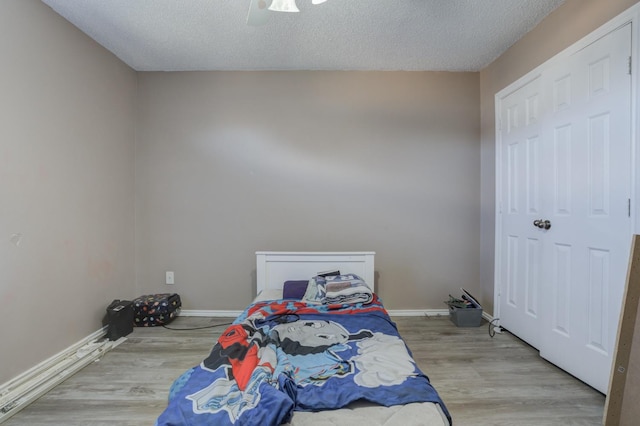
(587, 186)
(564, 225)
(521, 243)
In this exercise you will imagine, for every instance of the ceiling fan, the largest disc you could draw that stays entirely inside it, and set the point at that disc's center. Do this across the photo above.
(259, 9)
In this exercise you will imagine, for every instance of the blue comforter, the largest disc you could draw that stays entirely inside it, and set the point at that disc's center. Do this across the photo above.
(281, 356)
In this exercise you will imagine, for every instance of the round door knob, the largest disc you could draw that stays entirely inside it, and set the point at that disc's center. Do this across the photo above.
(542, 224)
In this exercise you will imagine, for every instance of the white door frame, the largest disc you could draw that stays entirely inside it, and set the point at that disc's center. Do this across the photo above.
(631, 15)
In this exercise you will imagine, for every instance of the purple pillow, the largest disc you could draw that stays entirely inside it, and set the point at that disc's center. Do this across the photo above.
(294, 289)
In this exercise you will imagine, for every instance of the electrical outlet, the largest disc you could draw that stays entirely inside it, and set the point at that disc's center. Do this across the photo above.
(169, 277)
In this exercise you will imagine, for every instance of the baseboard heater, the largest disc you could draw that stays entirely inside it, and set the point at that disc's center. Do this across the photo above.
(22, 390)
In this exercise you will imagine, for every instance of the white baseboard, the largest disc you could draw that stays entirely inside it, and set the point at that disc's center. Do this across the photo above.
(205, 313)
(392, 312)
(25, 388)
(418, 312)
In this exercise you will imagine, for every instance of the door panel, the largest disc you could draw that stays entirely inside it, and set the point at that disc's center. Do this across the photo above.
(590, 226)
(562, 279)
(522, 251)
(566, 146)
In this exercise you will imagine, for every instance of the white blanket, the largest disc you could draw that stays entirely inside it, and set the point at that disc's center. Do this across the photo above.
(348, 288)
(338, 289)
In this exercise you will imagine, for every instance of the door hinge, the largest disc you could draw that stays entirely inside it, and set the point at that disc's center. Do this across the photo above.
(629, 65)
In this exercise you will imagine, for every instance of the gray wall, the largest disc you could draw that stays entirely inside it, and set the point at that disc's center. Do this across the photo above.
(228, 163)
(566, 25)
(67, 123)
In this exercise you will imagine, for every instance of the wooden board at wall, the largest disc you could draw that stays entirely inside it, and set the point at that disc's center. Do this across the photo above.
(621, 406)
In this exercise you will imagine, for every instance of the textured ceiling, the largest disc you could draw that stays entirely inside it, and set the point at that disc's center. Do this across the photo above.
(176, 35)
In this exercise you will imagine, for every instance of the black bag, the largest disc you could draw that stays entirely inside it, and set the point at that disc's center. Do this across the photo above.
(119, 319)
(156, 309)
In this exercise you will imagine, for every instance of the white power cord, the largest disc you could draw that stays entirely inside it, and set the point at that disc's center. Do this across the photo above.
(493, 328)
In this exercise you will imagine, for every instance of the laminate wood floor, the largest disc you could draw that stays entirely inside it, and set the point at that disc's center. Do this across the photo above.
(482, 380)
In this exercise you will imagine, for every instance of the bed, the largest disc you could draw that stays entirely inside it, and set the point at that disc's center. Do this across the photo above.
(315, 347)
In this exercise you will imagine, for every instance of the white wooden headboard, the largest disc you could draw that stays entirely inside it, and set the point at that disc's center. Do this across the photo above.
(273, 268)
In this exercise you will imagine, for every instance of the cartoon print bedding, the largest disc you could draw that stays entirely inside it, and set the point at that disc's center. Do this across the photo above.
(284, 355)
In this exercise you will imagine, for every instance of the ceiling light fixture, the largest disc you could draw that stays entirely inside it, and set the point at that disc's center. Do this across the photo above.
(289, 5)
(284, 6)
(258, 9)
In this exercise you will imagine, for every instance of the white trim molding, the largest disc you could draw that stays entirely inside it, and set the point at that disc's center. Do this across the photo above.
(418, 312)
(206, 313)
(392, 312)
